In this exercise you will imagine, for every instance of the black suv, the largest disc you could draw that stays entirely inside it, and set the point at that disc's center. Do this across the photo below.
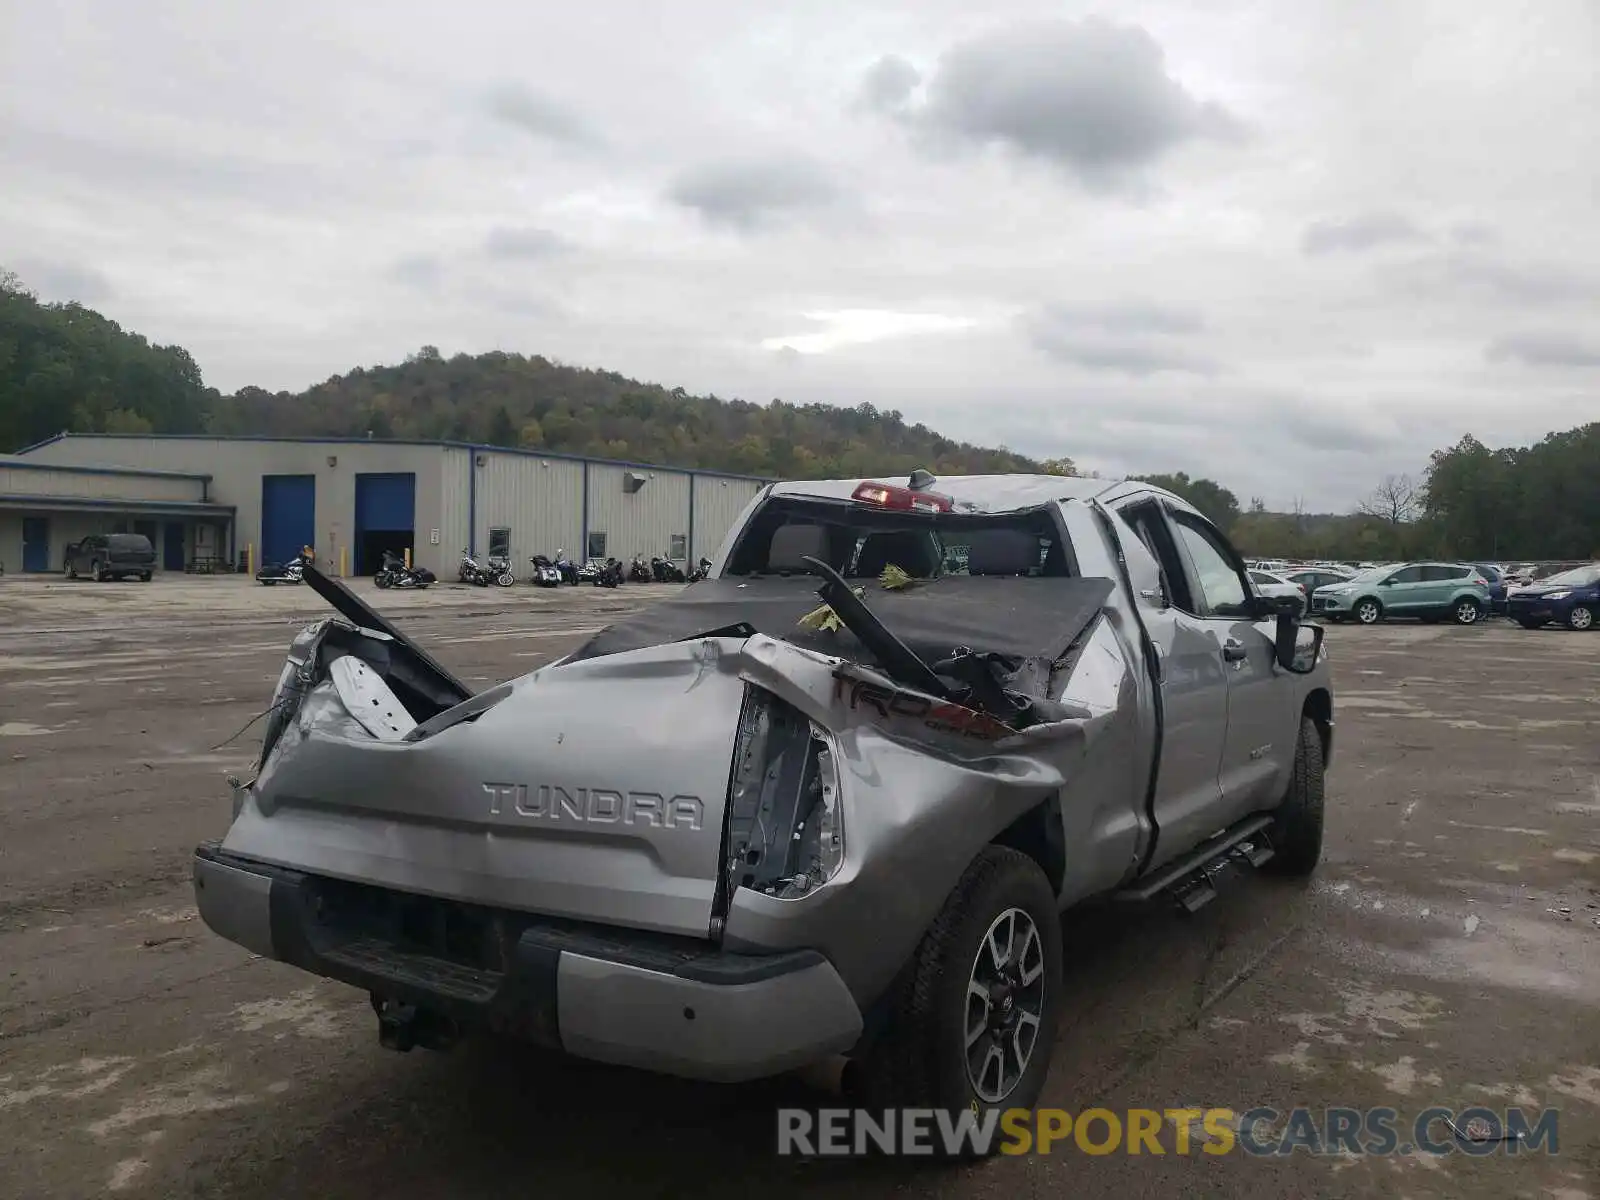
(111, 556)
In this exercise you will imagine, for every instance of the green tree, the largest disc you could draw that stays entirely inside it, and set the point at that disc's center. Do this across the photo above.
(1218, 504)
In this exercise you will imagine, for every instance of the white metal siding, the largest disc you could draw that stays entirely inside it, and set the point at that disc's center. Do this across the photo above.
(237, 466)
(642, 522)
(717, 505)
(539, 499)
(19, 481)
(455, 507)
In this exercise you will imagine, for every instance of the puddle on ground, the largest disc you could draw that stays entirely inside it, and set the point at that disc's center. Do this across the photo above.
(23, 729)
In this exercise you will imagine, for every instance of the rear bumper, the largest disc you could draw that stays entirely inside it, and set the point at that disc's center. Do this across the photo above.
(610, 995)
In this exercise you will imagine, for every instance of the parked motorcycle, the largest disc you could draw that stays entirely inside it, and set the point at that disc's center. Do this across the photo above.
(664, 570)
(700, 571)
(285, 572)
(569, 569)
(495, 569)
(601, 572)
(545, 573)
(395, 574)
(639, 572)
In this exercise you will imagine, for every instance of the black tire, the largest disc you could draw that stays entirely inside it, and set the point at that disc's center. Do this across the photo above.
(72, 571)
(1526, 623)
(145, 578)
(97, 573)
(1297, 824)
(1466, 611)
(921, 1058)
(1581, 617)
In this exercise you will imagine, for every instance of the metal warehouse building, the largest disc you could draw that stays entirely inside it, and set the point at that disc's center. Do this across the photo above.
(353, 498)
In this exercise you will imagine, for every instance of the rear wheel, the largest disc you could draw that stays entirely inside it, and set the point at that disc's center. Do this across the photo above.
(1581, 617)
(72, 570)
(145, 578)
(1369, 611)
(973, 1017)
(1466, 611)
(1297, 823)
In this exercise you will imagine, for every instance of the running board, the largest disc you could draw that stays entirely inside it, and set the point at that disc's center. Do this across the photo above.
(1189, 878)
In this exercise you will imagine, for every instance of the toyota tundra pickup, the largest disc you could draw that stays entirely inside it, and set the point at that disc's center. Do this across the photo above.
(825, 805)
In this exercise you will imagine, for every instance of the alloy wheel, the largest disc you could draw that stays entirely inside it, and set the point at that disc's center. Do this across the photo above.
(1581, 617)
(1466, 612)
(1368, 612)
(1004, 1006)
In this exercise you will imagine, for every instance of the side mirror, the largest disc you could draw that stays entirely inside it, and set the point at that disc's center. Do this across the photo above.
(1297, 648)
(1385, 582)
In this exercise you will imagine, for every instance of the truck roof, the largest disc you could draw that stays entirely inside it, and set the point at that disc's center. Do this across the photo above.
(982, 493)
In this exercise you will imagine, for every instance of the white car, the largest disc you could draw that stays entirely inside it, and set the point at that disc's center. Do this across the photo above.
(1274, 586)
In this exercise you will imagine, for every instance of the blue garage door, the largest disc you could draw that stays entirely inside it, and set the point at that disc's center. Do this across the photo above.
(288, 515)
(386, 516)
(172, 547)
(35, 543)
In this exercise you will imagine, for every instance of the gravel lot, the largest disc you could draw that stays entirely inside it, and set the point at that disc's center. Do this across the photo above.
(1448, 952)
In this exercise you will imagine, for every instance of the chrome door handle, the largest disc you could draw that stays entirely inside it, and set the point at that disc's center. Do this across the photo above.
(1233, 651)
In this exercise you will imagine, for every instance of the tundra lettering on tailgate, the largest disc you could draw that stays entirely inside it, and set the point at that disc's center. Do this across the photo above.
(594, 806)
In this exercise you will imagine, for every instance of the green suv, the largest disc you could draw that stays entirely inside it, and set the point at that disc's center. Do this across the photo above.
(1430, 591)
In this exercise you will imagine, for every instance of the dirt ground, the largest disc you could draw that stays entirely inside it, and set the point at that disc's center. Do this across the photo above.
(1448, 952)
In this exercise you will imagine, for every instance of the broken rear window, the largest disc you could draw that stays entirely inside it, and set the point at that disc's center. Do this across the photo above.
(860, 541)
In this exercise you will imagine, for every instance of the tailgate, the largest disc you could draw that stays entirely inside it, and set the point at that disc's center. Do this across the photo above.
(593, 790)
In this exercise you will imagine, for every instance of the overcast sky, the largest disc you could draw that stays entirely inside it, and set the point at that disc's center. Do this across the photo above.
(1289, 246)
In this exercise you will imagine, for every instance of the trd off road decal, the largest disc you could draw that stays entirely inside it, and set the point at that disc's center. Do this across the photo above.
(942, 716)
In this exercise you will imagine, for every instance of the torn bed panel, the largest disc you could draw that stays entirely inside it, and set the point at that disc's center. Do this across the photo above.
(1022, 618)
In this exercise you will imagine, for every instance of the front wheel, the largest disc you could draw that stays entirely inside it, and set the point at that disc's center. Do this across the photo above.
(1581, 617)
(1297, 824)
(381, 580)
(1369, 612)
(505, 579)
(973, 1017)
(1466, 612)
(72, 570)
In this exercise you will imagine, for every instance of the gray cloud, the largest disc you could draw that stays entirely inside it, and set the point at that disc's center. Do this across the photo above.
(888, 84)
(1474, 234)
(748, 193)
(1091, 96)
(1544, 350)
(527, 242)
(1130, 339)
(1124, 319)
(1356, 234)
(1139, 359)
(422, 271)
(63, 281)
(541, 115)
(1529, 284)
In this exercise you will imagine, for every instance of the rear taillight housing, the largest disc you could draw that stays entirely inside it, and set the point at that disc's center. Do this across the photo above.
(902, 499)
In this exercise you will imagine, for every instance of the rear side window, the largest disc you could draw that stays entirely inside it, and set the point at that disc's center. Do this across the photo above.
(1435, 574)
(135, 542)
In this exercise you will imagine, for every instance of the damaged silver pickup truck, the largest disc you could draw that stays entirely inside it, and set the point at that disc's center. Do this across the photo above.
(825, 805)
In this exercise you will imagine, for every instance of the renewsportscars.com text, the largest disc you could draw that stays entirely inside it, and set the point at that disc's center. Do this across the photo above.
(1259, 1132)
